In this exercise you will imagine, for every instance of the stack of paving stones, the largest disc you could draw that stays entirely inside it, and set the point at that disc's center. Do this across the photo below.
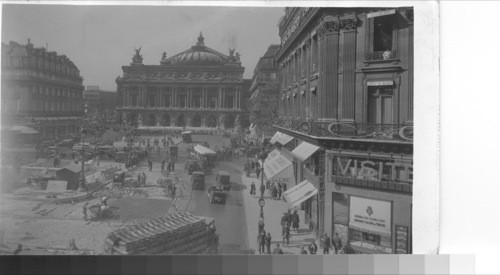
(178, 233)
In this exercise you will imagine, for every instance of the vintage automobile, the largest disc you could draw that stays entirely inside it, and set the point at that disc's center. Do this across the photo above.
(223, 179)
(119, 178)
(186, 137)
(198, 181)
(66, 143)
(191, 166)
(216, 194)
(105, 151)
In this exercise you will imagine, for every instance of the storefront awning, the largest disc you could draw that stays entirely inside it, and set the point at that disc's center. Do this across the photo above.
(304, 150)
(300, 192)
(284, 139)
(273, 139)
(275, 166)
(23, 130)
(380, 13)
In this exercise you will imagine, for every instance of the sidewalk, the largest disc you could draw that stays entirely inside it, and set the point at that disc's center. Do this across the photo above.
(273, 211)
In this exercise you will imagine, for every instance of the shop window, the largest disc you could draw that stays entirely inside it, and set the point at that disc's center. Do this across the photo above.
(380, 105)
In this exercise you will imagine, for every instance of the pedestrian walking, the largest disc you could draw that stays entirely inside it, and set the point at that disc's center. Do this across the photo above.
(261, 242)
(262, 189)
(289, 219)
(337, 243)
(277, 249)
(286, 235)
(279, 191)
(313, 248)
(295, 221)
(252, 189)
(84, 210)
(253, 165)
(143, 179)
(275, 192)
(257, 171)
(284, 187)
(326, 244)
(268, 243)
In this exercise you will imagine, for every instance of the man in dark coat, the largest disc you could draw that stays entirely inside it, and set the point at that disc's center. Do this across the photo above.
(279, 191)
(295, 221)
(257, 171)
(326, 244)
(252, 189)
(337, 243)
(261, 241)
(268, 243)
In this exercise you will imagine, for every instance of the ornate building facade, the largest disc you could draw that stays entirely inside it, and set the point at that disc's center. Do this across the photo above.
(41, 90)
(100, 104)
(346, 98)
(199, 88)
(264, 92)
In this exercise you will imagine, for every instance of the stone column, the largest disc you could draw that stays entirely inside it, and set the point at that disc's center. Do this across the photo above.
(174, 97)
(219, 100)
(189, 97)
(349, 26)
(308, 74)
(158, 119)
(328, 66)
(409, 17)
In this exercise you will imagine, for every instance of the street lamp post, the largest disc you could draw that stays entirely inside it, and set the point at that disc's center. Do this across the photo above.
(83, 187)
(263, 157)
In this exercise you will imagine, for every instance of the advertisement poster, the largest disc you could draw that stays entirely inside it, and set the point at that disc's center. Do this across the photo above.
(371, 216)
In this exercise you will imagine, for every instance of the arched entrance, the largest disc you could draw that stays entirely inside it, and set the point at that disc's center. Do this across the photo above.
(151, 120)
(229, 121)
(196, 122)
(165, 120)
(181, 121)
(211, 121)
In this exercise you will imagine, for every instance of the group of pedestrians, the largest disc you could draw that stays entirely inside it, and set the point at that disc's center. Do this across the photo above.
(334, 243)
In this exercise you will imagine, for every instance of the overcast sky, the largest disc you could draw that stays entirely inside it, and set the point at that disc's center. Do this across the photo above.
(101, 39)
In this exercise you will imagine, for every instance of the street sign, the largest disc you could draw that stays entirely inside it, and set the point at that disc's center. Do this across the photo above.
(262, 202)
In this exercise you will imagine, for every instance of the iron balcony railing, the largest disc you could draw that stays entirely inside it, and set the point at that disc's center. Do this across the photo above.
(381, 55)
(349, 130)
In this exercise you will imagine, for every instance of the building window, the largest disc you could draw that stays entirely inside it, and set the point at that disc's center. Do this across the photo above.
(230, 102)
(382, 33)
(152, 100)
(315, 47)
(167, 100)
(212, 100)
(380, 105)
(181, 101)
(197, 101)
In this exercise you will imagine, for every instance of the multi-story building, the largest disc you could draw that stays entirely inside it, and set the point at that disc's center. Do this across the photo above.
(264, 93)
(41, 90)
(199, 87)
(100, 104)
(347, 101)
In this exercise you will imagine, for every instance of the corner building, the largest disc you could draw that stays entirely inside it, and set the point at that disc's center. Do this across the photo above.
(197, 88)
(42, 90)
(347, 101)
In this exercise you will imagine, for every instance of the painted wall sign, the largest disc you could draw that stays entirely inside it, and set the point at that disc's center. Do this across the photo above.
(373, 170)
